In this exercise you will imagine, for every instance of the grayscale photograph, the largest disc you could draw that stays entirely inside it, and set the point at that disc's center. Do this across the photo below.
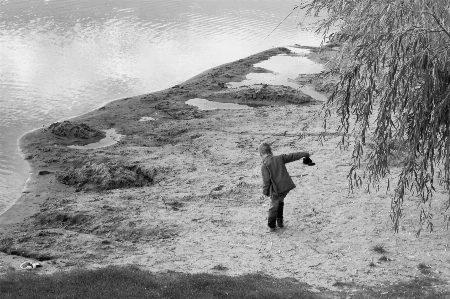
(224, 149)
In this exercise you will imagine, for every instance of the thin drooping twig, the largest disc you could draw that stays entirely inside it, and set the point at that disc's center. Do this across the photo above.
(282, 21)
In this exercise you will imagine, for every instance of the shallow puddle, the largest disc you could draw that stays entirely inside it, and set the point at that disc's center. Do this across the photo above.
(312, 93)
(147, 118)
(285, 68)
(204, 104)
(112, 137)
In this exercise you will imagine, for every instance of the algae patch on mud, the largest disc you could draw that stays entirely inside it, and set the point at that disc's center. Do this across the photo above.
(106, 176)
(204, 104)
(112, 137)
(72, 130)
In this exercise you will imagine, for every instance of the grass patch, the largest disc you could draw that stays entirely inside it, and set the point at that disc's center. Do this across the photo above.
(384, 259)
(176, 205)
(424, 269)
(132, 283)
(219, 268)
(341, 284)
(423, 288)
(7, 247)
(379, 249)
(417, 288)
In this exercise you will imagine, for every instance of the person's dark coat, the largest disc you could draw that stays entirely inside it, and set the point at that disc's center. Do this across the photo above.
(276, 179)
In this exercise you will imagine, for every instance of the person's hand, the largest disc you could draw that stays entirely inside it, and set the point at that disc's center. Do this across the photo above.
(262, 198)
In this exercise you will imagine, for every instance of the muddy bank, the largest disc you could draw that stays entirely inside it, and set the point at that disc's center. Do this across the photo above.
(46, 149)
(59, 171)
(180, 191)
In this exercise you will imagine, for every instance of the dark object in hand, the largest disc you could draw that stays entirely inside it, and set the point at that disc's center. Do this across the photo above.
(308, 161)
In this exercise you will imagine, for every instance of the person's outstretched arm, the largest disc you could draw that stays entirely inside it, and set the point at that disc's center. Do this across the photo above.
(287, 158)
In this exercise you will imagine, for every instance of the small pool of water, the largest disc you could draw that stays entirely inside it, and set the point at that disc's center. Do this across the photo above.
(147, 118)
(285, 68)
(112, 137)
(314, 94)
(204, 104)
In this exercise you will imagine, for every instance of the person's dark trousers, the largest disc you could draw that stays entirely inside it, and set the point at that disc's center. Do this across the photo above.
(280, 214)
(276, 209)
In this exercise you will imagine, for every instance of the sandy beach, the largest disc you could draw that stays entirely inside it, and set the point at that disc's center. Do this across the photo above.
(179, 190)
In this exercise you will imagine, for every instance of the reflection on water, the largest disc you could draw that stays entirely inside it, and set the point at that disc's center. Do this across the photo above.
(313, 94)
(61, 58)
(284, 69)
(147, 118)
(204, 104)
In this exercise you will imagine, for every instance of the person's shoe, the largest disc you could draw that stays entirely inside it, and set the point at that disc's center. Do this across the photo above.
(280, 222)
(272, 229)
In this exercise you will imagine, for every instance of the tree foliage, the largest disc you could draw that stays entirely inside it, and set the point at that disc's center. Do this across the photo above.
(394, 75)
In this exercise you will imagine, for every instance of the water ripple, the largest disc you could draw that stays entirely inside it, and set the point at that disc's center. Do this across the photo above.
(61, 58)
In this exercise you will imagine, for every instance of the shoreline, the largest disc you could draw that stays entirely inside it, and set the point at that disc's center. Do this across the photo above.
(20, 201)
(26, 206)
(180, 192)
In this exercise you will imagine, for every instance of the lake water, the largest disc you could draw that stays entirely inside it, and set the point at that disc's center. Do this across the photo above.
(61, 58)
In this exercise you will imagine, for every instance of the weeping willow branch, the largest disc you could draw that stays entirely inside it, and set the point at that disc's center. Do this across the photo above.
(394, 74)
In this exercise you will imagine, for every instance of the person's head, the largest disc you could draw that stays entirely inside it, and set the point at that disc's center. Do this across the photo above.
(264, 149)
